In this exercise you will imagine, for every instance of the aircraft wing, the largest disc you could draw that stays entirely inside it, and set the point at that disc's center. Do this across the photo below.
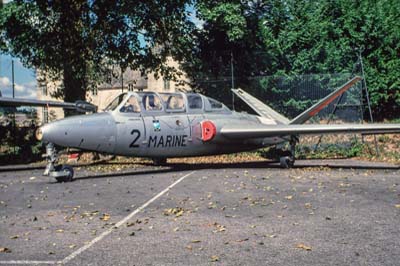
(264, 131)
(80, 106)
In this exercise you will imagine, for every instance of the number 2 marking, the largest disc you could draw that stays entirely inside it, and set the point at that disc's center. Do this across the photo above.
(133, 133)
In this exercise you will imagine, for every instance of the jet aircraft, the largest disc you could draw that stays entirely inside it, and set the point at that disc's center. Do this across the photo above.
(165, 125)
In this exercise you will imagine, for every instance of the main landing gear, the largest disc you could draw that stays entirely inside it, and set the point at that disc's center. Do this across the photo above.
(288, 157)
(62, 173)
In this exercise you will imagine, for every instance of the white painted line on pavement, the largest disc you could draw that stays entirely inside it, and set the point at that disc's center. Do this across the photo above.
(123, 221)
(102, 235)
(30, 262)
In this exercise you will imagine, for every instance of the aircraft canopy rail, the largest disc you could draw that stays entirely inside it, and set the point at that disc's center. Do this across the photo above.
(116, 102)
(149, 102)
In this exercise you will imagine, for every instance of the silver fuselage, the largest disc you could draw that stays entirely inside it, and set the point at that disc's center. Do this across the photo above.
(156, 133)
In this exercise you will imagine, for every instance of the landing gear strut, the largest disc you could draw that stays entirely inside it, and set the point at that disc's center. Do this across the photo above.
(288, 158)
(62, 173)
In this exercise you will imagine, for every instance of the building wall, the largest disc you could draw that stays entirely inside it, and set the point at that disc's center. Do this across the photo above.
(163, 85)
(44, 90)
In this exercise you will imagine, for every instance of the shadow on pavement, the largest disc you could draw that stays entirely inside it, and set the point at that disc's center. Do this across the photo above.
(177, 167)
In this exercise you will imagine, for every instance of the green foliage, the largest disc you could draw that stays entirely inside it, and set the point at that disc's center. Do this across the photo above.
(345, 150)
(19, 145)
(78, 39)
(226, 16)
(297, 37)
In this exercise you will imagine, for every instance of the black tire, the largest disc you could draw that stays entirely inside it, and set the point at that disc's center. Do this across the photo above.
(286, 162)
(70, 173)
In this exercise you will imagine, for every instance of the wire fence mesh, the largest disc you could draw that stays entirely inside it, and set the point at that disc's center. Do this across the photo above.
(291, 95)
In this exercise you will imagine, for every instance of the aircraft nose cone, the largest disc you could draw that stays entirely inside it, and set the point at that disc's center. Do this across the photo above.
(49, 132)
(89, 132)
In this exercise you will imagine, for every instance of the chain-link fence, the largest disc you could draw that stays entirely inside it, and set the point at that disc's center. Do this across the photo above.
(291, 95)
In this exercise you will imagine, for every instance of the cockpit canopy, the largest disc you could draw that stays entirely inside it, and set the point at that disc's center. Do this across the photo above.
(149, 102)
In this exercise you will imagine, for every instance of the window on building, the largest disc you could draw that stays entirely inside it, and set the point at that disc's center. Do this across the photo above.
(109, 77)
(166, 84)
(43, 86)
(130, 87)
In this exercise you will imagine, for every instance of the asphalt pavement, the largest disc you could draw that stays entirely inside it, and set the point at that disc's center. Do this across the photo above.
(210, 214)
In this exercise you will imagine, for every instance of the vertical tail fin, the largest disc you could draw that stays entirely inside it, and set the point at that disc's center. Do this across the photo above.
(316, 108)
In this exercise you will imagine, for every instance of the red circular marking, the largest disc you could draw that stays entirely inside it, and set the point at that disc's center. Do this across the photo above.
(208, 130)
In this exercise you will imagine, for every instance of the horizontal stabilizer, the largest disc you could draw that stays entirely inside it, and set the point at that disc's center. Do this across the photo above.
(316, 108)
(260, 108)
(264, 131)
(80, 106)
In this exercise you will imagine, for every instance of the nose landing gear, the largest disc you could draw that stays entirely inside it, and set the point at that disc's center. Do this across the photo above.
(62, 173)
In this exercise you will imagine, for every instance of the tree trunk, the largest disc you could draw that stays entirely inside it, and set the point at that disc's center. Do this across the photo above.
(74, 61)
(74, 86)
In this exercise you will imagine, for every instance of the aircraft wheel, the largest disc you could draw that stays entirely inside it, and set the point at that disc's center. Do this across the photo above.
(68, 171)
(159, 161)
(286, 162)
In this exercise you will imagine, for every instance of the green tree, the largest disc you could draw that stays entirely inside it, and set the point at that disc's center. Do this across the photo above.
(78, 40)
(297, 37)
(231, 31)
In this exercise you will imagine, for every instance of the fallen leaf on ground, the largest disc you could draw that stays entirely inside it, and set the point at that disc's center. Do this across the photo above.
(129, 224)
(14, 237)
(302, 246)
(219, 228)
(214, 258)
(105, 217)
(174, 211)
(196, 241)
(397, 206)
(5, 250)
